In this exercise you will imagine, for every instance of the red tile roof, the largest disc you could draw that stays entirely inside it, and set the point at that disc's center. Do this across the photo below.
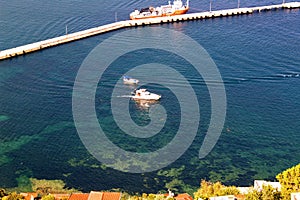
(94, 195)
(79, 196)
(184, 196)
(111, 196)
(29, 195)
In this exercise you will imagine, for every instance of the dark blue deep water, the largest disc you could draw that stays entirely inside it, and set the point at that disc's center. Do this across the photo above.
(258, 56)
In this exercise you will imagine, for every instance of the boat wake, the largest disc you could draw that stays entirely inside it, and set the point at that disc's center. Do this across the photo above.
(276, 77)
(124, 96)
(291, 75)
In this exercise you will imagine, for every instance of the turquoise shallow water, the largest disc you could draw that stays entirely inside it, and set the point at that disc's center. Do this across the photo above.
(257, 56)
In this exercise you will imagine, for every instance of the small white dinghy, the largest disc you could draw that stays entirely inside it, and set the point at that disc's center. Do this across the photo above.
(145, 95)
(129, 80)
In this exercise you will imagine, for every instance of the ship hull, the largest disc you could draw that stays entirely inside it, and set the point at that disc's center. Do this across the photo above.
(176, 12)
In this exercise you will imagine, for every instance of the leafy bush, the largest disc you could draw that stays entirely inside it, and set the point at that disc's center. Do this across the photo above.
(267, 193)
(208, 189)
(289, 181)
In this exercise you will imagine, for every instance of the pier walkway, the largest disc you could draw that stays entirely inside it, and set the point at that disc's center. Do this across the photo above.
(9, 53)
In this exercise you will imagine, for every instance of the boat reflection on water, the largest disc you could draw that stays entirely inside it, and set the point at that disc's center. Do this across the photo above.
(145, 105)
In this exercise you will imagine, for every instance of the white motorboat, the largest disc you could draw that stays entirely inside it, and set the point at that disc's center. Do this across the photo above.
(129, 80)
(145, 95)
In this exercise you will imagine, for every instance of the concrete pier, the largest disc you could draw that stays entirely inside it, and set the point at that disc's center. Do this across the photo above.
(9, 53)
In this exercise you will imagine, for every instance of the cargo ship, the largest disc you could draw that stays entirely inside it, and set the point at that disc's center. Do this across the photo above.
(176, 8)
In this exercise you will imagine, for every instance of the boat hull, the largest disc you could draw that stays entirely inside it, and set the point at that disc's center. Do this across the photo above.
(146, 98)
